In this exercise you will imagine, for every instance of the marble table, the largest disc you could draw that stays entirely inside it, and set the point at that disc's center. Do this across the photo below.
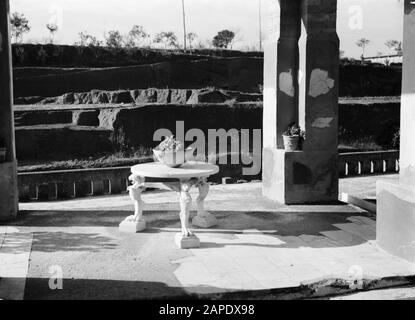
(180, 179)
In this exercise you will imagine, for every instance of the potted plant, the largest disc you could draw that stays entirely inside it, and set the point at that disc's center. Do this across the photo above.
(293, 137)
(171, 152)
(3, 150)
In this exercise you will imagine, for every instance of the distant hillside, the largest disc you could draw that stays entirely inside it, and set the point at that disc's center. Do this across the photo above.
(240, 74)
(49, 70)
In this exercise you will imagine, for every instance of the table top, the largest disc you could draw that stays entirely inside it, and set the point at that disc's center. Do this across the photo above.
(191, 169)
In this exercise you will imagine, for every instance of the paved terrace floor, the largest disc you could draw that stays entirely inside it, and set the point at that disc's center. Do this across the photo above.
(256, 246)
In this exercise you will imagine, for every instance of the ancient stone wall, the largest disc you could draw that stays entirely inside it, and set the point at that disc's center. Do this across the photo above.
(45, 131)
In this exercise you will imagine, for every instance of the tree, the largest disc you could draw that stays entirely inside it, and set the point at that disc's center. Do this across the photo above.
(362, 43)
(53, 28)
(203, 44)
(113, 39)
(86, 39)
(191, 36)
(19, 25)
(238, 37)
(394, 45)
(398, 49)
(223, 39)
(135, 37)
(168, 38)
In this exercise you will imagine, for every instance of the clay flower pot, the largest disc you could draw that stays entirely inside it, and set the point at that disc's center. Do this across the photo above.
(172, 158)
(291, 143)
(3, 154)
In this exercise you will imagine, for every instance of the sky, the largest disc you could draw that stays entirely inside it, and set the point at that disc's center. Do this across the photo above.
(376, 20)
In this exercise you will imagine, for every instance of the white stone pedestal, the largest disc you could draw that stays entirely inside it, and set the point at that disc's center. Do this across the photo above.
(395, 218)
(130, 225)
(203, 219)
(188, 242)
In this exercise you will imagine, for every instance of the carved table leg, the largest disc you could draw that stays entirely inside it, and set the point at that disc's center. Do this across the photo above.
(136, 222)
(186, 239)
(203, 219)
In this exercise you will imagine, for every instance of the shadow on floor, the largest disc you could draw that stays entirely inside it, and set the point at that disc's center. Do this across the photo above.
(286, 223)
(274, 224)
(103, 289)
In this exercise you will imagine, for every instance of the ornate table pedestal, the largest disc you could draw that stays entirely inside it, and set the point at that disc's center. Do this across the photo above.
(189, 175)
(136, 222)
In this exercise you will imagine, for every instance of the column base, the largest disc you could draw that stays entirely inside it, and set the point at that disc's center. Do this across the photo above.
(8, 191)
(205, 221)
(395, 219)
(131, 226)
(300, 177)
(186, 242)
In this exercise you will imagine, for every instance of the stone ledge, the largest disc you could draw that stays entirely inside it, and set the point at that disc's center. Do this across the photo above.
(307, 176)
(395, 223)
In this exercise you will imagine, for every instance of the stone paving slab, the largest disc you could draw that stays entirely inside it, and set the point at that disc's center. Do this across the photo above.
(292, 266)
(256, 246)
(208, 270)
(360, 230)
(368, 222)
(14, 262)
(364, 186)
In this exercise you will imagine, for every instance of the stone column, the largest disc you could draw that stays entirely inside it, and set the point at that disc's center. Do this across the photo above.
(395, 223)
(319, 74)
(311, 174)
(8, 177)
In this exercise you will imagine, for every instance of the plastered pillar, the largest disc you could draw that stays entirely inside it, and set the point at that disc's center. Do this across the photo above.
(309, 175)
